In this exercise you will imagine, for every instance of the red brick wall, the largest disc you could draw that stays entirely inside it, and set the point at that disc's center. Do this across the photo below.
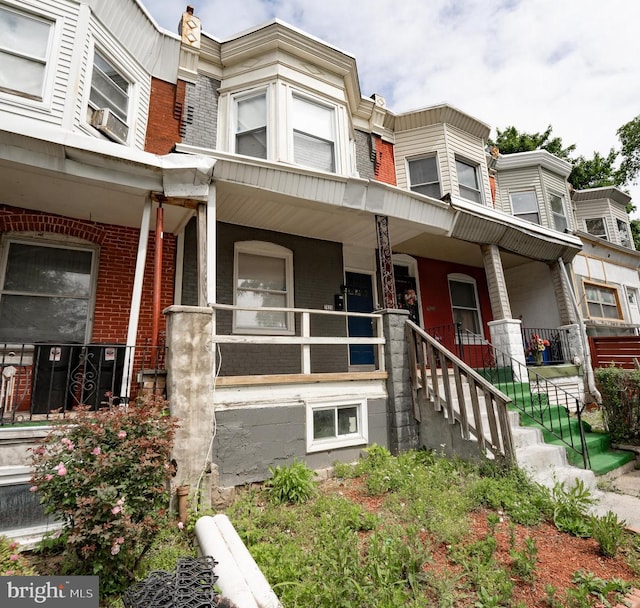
(385, 168)
(116, 268)
(165, 113)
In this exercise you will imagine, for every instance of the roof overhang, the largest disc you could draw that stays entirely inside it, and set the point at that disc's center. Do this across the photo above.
(534, 158)
(597, 194)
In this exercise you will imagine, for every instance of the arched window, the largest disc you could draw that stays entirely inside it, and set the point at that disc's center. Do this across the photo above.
(263, 278)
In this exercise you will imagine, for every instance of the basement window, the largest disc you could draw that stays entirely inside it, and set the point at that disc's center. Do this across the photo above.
(337, 424)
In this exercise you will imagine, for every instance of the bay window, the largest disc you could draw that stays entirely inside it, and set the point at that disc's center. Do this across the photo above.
(313, 134)
(251, 125)
(525, 206)
(468, 181)
(423, 176)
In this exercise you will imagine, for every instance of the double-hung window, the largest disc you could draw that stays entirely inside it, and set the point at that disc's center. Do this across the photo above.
(24, 45)
(464, 303)
(46, 292)
(314, 134)
(596, 227)
(558, 212)
(336, 425)
(525, 206)
(623, 233)
(109, 99)
(602, 302)
(263, 280)
(468, 181)
(251, 125)
(423, 176)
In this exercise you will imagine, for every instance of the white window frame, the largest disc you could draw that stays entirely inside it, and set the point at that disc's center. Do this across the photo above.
(361, 437)
(131, 92)
(521, 214)
(627, 232)
(464, 187)
(46, 60)
(59, 243)
(437, 183)
(237, 98)
(555, 215)
(607, 288)
(263, 248)
(465, 278)
(296, 94)
(604, 236)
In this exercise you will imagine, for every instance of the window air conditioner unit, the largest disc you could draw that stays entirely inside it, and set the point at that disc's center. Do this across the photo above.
(108, 123)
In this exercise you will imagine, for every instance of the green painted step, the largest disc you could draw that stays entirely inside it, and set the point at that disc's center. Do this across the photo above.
(602, 458)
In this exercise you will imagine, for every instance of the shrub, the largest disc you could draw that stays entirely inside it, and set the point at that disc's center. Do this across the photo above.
(291, 483)
(620, 390)
(11, 562)
(106, 475)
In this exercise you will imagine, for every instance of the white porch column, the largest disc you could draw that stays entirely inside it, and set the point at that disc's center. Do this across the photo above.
(136, 298)
(506, 336)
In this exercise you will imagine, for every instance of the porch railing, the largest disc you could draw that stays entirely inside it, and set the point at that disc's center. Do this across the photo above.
(557, 411)
(557, 345)
(38, 380)
(304, 337)
(437, 377)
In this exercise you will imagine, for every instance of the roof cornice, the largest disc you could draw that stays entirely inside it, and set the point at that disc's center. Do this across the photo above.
(607, 192)
(534, 158)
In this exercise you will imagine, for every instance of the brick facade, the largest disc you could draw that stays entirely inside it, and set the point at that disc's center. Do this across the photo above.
(166, 113)
(385, 167)
(116, 268)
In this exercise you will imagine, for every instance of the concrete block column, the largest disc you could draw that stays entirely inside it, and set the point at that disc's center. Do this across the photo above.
(189, 363)
(576, 346)
(403, 429)
(506, 336)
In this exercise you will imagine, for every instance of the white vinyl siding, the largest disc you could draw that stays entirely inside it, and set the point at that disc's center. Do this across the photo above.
(420, 142)
(519, 180)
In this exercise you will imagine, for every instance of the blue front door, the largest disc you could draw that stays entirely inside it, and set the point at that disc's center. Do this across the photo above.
(360, 299)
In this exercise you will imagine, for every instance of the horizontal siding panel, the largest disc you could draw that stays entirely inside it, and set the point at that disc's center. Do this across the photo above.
(418, 142)
(471, 148)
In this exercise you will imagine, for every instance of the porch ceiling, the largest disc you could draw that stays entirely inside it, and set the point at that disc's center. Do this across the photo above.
(83, 184)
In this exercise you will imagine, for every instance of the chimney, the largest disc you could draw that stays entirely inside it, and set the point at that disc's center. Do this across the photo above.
(190, 28)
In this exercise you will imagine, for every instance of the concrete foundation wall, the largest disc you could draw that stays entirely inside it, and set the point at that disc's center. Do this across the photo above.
(251, 439)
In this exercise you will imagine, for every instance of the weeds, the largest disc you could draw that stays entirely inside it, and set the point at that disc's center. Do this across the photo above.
(291, 483)
(570, 513)
(609, 532)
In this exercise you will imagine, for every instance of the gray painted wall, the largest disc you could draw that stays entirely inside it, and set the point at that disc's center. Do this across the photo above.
(364, 151)
(318, 275)
(201, 113)
(251, 439)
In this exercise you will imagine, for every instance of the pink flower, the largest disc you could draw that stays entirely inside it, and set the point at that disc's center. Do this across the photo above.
(70, 445)
(62, 470)
(122, 434)
(33, 489)
(13, 558)
(116, 510)
(13, 545)
(115, 549)
(96, 451)
(120, 540)
(48, 477)
(9, 573)
(180, 525)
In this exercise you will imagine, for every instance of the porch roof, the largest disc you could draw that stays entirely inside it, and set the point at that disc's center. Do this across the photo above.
(297, 200)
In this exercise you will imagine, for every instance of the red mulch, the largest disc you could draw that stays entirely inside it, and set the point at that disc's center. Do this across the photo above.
(559, 555)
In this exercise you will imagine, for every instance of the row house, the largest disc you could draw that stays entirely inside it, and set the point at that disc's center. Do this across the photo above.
(239, 211)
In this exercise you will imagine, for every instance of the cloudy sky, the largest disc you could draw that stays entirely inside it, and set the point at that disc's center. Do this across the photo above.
(574, 64)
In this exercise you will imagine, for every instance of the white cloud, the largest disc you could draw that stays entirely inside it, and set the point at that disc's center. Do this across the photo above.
(529, 63)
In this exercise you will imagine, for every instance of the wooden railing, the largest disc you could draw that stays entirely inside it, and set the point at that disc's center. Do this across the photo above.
(437, 377)
(303, 337)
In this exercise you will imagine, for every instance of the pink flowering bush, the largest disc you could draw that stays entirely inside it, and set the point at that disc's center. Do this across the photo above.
(11, 562)
(106, 474)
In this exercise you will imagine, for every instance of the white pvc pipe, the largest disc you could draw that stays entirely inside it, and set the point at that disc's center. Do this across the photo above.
(239, 578)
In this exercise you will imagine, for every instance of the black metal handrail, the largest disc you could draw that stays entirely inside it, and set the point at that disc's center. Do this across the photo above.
(554, 341)
(556, 410)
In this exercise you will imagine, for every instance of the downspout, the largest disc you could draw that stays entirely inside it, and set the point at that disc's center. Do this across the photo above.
(136, 298)
(157, 277)
(591, 383)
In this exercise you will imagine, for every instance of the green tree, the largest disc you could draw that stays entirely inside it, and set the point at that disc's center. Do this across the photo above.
(595, 172)
(511, 140)
(629, 135)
